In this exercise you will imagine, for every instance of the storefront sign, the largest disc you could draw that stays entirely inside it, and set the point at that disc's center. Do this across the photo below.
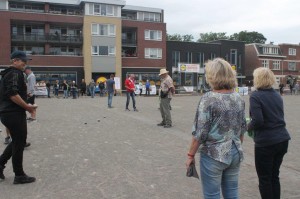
(189, 68)
(242, 90)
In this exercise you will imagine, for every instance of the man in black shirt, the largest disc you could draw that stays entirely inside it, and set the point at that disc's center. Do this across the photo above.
(13, 107)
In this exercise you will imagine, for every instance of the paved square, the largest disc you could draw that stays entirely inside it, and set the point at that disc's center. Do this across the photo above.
(81, 149)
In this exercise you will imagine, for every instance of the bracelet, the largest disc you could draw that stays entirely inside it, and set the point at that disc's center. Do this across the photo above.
(190, 155)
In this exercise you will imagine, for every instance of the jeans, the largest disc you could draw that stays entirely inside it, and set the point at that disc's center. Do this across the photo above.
(17, 125)
(216, 175)
(110, 96)
(48, 92)
(164, 107)
(56, 92)
(267, 162)
(65, 93)
(92, 92)
(128, 99)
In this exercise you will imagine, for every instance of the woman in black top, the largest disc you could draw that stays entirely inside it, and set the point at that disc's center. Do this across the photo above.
(270, 135)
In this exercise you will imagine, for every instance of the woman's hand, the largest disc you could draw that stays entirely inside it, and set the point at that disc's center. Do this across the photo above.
(189, 161)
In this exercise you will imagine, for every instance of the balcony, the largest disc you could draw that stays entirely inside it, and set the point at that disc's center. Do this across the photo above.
(129, 42)
(47, 38)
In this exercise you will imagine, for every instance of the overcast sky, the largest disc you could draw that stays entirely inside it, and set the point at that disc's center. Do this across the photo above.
(277, 20)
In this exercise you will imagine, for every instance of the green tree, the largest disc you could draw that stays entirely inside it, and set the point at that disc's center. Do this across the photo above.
(174, 37)
(188, 38)
(212, 36)
(249, 37)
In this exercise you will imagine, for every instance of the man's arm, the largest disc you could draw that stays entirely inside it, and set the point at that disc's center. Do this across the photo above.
(19, 101)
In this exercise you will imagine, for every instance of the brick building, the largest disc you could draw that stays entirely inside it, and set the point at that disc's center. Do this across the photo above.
(282, 59)
(75, 39)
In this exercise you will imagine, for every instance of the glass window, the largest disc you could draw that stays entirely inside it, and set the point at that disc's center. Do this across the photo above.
(103, 50)
(95, 29)
(233, 57)
(265, 63)
(95, 50)
(153, 35)
(110, 10)
(103, 30)
(112, 30)
(112, 51)
(153, 53)
(189, 57)
(292, 51)
(175, 58)
(103, 9)
(188, 79)
(276, 65)
(96, 9)
(292, 66)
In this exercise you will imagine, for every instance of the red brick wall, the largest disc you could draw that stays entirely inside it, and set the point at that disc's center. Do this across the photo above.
(5, 37)
(140, 61)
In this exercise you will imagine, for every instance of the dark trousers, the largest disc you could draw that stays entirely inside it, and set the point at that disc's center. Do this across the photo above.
(132, 95)
(17, 125)
(267, 162)
(147, 91)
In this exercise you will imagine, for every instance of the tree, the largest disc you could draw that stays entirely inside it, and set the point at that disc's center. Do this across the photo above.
(212, 36)
(178, 37)
(249, 37)
(174, 37)
(188, 38)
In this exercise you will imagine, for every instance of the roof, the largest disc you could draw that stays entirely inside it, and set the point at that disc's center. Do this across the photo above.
(77, 2)
(143, 9)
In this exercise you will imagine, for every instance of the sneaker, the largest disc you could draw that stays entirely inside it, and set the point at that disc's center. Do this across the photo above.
(27, 144)
(167, 126)
(24, 179)
(135, 110)
(1, 172)
(161, 124)
(7, 140)
(127, 109)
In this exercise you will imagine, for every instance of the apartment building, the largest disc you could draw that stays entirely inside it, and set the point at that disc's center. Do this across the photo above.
(186, 61)
(82, 39)
(143, 43)
(282, 59)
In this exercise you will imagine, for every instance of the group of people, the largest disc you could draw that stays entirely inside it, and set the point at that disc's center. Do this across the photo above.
(220, 138)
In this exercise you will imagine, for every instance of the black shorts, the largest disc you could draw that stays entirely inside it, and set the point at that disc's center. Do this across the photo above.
(30, 100)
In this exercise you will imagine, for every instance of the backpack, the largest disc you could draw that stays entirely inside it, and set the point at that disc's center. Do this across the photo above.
(101, 85)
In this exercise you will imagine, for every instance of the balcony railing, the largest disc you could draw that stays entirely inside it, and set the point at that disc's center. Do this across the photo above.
(47, 38)
(129, 42)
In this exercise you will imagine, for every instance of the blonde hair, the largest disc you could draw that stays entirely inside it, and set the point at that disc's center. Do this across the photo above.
(263, 78)
(220, 75)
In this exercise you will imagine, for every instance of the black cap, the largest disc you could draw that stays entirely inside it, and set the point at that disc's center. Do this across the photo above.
(19, 55)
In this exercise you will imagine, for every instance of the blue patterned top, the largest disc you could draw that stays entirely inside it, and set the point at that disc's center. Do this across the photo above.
(219, 122)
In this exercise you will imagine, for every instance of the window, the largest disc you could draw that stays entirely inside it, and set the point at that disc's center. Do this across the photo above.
(105, 10)
(95, 29)
(104, 50)
(104, 29)
(265, 63)
(95, 50)
(292, 66)
(188, 79)
(153, 35)
(292, 51)
(96, 9)
(200, 59)
(148, 16)
(276, 65)
(153, 53)
(175, 58)
(270, 50)
(233, 57)
(212, 56)
(189, 57)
